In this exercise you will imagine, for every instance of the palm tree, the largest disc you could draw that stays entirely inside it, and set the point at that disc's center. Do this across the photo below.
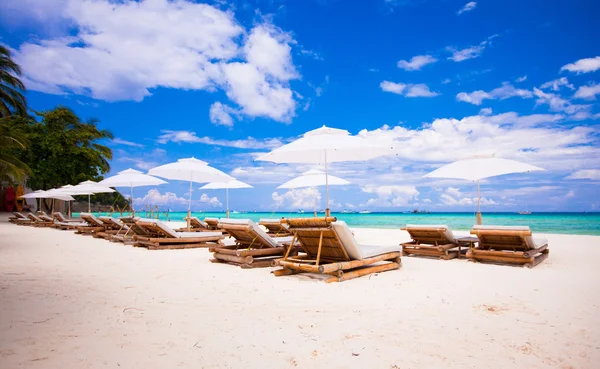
(11, 138)
(12, 100)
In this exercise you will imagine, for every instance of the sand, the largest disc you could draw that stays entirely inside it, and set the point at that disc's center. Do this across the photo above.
(70, 301)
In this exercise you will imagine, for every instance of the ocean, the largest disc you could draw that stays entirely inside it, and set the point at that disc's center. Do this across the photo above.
(567, 223)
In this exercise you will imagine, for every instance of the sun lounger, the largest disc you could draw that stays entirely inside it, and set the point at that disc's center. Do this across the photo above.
(253, 248)
(332, 250)
(93, 225)
(212, 223)
(508, 245)
(432, 240)
(161, 237)
(196, 225)
(20, 219)
(275, 227)
(62, 218)
(39, 222)
(69, 226)
(127, 231)
(110, 228)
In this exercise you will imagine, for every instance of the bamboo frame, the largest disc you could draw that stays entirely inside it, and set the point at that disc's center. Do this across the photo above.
(506, 247)
(275, 228)
(159, 239)
(326, 255)
(431, 242)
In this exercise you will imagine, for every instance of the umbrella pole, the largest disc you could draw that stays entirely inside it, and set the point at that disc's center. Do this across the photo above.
(189, 224)
(89, 203)
(327, 212)
(227, 203)
(478, 216)
(131, 205)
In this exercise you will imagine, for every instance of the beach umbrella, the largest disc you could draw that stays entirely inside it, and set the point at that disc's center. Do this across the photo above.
(131, 178)
(314, 178)
(193, 170)
(56, 194)
(477, 168)
(226, 185)
(34, 195)
(327, 145)
(89, 188)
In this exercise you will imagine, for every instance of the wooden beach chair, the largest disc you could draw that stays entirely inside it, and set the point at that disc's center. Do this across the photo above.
(253, 247)
(163, 237)
(57, 215)
(332, 250)
(196, 225)
(212, 223)
(93, 225)
(508, 245)
(275, 228)
(127, 231)
(110, 228)
(432, 240)
(39, 222)
(19, 219)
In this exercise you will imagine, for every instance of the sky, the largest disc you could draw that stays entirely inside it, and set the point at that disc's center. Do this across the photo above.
(224, 81)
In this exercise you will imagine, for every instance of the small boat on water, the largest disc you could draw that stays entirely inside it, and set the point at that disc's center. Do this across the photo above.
(526, 212)
(300, 211)
(364, 212)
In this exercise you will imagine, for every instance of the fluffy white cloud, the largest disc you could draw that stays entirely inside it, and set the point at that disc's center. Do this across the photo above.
(154, 197)
(302, 198)
(583, 65)
(556, 84)
(120, 141)
(190, 137)
(212, 201)
(521, 79)
(408, 90)
(123, 50)
(557, 103)
(467, 8)
(416, 62)
(486, 111)
(469, 52)
(588, 92)
(220, 114)
(586, 174)
(447, 199)
(508, 135)
(503, 92)
(391, 195)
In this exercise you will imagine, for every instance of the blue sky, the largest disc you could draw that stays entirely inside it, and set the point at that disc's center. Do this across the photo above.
(225, 80)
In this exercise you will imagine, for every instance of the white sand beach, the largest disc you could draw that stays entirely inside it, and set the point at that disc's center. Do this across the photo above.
(70, 301)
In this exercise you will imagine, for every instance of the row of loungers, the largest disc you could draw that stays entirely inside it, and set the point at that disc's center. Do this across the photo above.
(317, 245)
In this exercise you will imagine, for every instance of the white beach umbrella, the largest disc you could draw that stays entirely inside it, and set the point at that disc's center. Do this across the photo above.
(56, 194)
(89, 188)
(34, 195)
(190, 169)
(234, 183)
(480, 167)
(131, 178)
(327, 145)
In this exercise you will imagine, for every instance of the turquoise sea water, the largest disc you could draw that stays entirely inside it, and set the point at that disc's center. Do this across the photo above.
(568, 223)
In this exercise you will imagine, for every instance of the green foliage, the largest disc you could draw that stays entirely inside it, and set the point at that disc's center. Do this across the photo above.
(114, 198)
(63, 149)
(12, 100)
(12, 139)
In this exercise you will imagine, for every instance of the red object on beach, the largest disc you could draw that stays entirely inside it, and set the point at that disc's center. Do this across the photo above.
(9, 199)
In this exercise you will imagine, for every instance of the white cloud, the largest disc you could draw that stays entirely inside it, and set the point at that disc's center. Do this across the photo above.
(503, 92)
(119, 141)
(469, 52)
(416, 62)
(556, 103)
(588, 92)
(583, 65)
(212, 201)
(467, 8)
(302, 198)
(447, 199)
(154, 197)
(312, 54)
(190, 137)
(486, 111)
(556, 84)
(220, 114)
(124, 50)
(408, 90)
(521, 79)
(586, 174)
(391, 195)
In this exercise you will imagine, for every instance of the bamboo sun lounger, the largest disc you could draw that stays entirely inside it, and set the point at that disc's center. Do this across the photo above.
(20, 219)
(508, 245)
(212, 223)
(93, 225)
(39, 222)
(253, 247)
(275, 227)
(163, 237)
(62, 218)
(332, 250)
(197, 225)
(127, 231)
(432, 240)
(110, 227)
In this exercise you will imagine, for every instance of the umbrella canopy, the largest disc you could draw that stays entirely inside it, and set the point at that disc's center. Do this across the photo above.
(478, 168)
(190, 169)
(314, 178)
(327, 145)
(89, 188)
(131, 178)
(234, 183)
(33, 195)
(57, 194)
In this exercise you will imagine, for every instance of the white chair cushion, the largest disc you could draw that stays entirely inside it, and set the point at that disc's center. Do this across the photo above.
(200, 221)
(91, 217)
(353, 249)
(502, 228)
(254, 226)
(447, 232)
